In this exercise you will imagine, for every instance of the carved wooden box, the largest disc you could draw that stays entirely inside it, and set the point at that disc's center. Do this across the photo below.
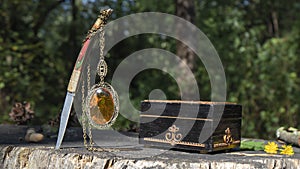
(196, 126)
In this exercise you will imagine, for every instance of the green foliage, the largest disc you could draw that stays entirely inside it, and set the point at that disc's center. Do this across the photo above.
(257, 41)
(252, 145)
(29, 68)
(260, 60)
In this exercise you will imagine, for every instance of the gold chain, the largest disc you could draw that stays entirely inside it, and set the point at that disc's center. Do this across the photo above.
(102, 67)
(102, 43)
(89, 125)
(89, 77)
(91, 147)
(83, 116)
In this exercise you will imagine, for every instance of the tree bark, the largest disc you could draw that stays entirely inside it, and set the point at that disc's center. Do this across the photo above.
(185, 9)
(73, 30)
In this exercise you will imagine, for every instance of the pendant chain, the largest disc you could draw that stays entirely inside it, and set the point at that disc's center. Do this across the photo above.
(101, 70)
(102, 66)
(83, 116)
(86, 134)
(89, 125)
(102, 43)
(87, 122)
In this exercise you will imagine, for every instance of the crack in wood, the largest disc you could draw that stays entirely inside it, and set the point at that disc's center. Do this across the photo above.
(6, 152)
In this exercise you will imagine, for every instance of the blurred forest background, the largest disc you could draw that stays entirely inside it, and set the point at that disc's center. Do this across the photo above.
(258, 42)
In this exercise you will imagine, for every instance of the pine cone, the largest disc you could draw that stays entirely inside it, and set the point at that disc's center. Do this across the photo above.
(21, 113)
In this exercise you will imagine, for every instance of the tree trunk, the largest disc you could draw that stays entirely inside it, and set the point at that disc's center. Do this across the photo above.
(185, 9)
(73, 30)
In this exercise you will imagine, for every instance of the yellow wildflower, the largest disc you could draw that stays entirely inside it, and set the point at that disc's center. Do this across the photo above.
(271, 148)
(287, 150)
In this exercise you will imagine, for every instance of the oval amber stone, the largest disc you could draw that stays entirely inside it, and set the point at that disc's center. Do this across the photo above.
(101, 106)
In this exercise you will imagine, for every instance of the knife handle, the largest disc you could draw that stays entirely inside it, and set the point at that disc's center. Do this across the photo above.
(100, 22)
(77, 68)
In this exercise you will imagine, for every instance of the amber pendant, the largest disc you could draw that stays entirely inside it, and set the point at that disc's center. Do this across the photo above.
(102, 106)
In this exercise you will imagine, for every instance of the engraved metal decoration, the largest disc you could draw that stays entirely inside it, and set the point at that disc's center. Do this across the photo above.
(101, 104)
(102, 68)
(187, 143)
(172, 136)
(227, 138)
(107, 97)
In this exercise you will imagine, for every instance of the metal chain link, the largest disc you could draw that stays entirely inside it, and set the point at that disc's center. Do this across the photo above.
(102, 43)
(91, 147)
(88, 87)
(102, 67)
(89, 77)
(83, 116)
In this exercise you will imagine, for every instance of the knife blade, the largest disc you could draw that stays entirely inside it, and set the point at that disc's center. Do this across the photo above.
(100, 22)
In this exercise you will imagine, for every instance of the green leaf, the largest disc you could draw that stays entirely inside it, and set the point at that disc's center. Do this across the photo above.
(252, 145)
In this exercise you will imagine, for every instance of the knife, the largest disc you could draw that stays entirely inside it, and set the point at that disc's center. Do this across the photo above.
(100, 22)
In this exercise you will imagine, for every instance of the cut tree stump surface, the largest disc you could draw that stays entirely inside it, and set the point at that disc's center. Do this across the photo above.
(123, 151)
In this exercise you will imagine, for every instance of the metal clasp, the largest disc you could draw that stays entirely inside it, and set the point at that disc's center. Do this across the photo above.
(227, 138)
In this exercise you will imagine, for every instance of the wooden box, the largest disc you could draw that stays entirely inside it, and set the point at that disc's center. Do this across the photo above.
(189, 125)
